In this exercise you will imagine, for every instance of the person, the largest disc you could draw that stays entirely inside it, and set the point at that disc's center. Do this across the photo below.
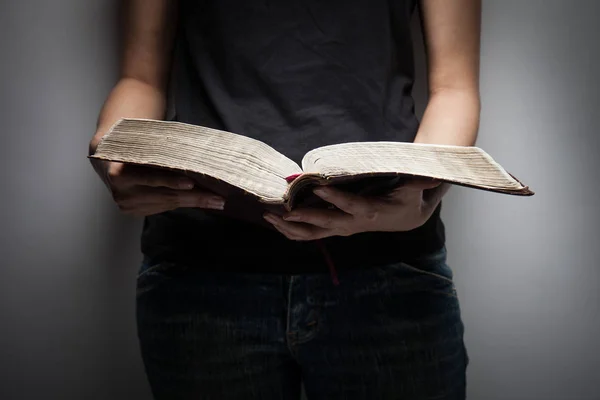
(233, 310)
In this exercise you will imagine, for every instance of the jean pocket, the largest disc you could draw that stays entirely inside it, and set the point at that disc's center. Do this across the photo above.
(429, 272)
(155, 274)
(148, 266)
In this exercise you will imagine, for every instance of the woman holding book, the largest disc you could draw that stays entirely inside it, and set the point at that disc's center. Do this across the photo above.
(354, 300)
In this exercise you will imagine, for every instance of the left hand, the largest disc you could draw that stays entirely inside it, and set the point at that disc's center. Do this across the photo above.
(404, 209)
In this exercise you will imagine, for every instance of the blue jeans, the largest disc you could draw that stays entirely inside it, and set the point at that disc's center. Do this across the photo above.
(391, 332)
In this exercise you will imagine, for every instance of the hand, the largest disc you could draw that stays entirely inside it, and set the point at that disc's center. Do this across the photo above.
(141, 191)
(405, 209)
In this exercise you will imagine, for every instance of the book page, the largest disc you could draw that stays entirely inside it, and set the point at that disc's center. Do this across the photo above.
(240, 161)
(469, 166)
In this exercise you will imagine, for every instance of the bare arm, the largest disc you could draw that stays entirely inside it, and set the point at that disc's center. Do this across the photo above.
(149, 27)
(452, 40)
(451, 30)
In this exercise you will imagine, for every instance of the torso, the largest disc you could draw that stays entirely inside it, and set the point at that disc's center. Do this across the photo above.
(296, 75)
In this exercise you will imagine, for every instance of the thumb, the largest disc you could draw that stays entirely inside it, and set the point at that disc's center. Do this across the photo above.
(131, 175)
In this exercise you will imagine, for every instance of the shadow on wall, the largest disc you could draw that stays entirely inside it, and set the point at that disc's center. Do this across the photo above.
(118, 261)
(68, 258)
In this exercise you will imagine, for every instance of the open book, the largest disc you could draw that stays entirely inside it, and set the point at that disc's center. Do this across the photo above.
(246, 170)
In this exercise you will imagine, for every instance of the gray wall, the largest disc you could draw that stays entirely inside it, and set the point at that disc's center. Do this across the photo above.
(526, 269)
(68, 258)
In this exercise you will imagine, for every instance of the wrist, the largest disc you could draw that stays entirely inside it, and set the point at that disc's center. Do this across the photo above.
(94, 144)
(433, 197)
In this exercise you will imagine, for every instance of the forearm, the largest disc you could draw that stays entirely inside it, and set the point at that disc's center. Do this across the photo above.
(130, 98)
(451, 117)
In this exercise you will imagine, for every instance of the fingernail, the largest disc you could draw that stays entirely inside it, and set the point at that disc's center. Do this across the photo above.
(185, 183)
(321, 192)
(292, 218)
(216, 203)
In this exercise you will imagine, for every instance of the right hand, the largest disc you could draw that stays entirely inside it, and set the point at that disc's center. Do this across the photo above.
(143, 191)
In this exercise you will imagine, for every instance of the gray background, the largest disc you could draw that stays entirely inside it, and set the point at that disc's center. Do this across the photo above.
(527, 269)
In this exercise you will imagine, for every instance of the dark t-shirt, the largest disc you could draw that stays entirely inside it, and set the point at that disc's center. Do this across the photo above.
(295, 74)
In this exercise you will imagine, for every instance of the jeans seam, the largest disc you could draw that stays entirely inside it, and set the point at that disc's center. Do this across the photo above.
(307, 338)
(452, 295)
(151, 268)
(412, 268)
(289, 342)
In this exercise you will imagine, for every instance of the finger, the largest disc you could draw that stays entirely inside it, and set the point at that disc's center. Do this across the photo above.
(290, 234)
(347, 202)
(167, 199)
(296, 231)
(328, 219)
(170, 181)
(421, 184)
(200, 199)
(128, 175)
(148, 209)
(143, 203)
